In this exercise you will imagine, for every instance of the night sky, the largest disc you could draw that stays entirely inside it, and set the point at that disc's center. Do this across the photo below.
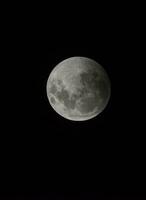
(45, 156)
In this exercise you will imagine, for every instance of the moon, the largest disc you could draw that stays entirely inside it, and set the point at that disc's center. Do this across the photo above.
(78, 88)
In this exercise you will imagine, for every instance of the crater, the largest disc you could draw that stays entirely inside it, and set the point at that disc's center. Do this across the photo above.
(52, 99)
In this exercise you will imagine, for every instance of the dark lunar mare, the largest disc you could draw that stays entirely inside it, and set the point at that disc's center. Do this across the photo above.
(53, 89)
(91, 83)
(103, 88)
(63, 96)
(89, 80)
(88, 105)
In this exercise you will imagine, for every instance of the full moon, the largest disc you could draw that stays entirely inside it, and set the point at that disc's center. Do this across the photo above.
(78, 88)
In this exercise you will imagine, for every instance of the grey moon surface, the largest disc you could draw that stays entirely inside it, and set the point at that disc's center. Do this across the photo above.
(78, 88)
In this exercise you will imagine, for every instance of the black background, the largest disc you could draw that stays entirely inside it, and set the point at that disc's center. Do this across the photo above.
(101, 157)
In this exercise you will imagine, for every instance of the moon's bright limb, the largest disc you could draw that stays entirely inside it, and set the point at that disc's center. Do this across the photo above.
(78, 88)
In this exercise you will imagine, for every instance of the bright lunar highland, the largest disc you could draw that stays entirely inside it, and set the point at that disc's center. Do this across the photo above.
(78, 88)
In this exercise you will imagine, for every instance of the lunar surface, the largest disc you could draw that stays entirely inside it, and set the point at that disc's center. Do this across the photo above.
(78, 88)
